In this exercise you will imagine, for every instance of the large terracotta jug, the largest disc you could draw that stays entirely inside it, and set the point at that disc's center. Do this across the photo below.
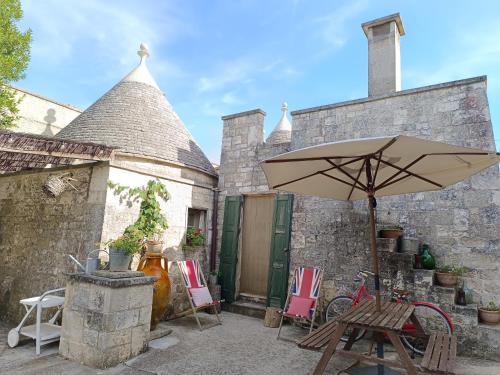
(151, 265)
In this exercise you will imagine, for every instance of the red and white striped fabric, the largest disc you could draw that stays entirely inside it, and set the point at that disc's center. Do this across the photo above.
(191, 273)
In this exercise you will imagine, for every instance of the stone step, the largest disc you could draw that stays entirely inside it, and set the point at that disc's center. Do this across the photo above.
(252, 309)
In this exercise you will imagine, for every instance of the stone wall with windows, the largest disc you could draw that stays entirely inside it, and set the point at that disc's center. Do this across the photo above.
(188, 188)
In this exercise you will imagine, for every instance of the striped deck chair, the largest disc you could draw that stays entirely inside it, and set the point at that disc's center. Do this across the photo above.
(302, 300)
(197, 290)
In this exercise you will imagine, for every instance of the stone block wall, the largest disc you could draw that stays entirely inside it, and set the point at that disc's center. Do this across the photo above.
(188, 189)
(37, 232)
(106, 321)
(461, 223)
(40, 115)
(243, 148)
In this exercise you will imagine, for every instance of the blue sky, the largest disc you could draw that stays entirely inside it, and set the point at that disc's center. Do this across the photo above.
(213, 58)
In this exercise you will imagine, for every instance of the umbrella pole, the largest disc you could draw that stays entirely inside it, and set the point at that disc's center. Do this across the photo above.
(373, 241)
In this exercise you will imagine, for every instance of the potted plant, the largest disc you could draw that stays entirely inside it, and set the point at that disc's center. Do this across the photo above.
(194, 237)
(391, 232)
(151, 222)
(490, 314)
(122, 249)
(447, 276)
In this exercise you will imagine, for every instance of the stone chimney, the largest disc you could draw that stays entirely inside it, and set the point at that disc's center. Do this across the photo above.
(384, 61)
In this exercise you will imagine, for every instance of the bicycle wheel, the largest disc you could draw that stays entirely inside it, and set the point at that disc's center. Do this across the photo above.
(432, 320)
(338, 306)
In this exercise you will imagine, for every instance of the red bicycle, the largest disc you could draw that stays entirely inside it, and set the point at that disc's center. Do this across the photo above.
(430, 316)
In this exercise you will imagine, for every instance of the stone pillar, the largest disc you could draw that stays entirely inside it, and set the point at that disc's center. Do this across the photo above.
(106, 317)
(384, 58)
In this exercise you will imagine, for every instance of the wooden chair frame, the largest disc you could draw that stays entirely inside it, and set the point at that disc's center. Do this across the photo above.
(287, 302)
(194, 308)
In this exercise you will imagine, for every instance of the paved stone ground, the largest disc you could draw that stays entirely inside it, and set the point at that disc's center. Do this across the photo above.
(242, 345)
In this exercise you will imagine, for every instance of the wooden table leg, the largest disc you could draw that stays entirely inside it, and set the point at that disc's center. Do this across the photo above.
(330, 349)
(403, 355)
(352, 338)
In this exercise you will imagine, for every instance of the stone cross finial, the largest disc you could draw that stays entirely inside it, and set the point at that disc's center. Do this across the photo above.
(284, 107)
(143, 51)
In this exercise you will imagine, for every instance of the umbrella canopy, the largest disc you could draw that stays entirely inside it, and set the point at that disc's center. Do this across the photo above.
(374, 167)
(399, 165)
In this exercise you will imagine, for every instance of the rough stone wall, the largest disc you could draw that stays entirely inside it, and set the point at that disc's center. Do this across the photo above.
(37, 232)
(461, 223)
(187, 188)
(43, 116)
(242, 150)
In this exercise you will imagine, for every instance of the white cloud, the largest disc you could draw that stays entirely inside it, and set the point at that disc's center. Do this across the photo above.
(472, 54)
(333, 28)
(109, 31)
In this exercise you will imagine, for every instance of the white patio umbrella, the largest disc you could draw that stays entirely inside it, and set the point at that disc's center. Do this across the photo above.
(374, 167)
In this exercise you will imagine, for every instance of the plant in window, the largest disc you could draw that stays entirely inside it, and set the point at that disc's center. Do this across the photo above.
(194, 237)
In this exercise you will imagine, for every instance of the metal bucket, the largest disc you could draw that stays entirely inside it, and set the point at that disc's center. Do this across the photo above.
(118, 261)
(93, 263)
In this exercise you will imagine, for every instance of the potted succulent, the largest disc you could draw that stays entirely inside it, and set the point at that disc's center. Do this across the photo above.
(122, 249)
(151, 222)
(391, 232)
(447, 276)
(489, 314)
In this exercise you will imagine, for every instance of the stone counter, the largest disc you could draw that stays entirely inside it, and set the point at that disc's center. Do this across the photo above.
(106, 317)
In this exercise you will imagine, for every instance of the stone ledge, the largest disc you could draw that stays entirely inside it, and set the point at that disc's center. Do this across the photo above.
(133, 279)
(242, 114)
(438, 86)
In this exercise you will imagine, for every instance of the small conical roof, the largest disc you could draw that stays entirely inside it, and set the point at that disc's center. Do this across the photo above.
(136, 117)
(282, 132)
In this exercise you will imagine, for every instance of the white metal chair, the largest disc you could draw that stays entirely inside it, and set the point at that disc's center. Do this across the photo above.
(42, 332)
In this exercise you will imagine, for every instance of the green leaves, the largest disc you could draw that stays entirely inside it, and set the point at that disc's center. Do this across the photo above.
(151, 222)
(14, 59)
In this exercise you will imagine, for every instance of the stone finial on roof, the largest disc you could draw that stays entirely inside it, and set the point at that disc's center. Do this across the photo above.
(143, 51)
(141, 72)
(135, 117)
(282, 133)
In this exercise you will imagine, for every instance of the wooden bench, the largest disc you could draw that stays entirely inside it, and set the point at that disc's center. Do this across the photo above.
(440, 353)
(318, 338)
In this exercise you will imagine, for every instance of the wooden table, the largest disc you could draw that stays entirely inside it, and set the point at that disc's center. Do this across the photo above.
(388, 322)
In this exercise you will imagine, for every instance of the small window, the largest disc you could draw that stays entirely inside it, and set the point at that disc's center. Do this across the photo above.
(196, 218)
(196, 225)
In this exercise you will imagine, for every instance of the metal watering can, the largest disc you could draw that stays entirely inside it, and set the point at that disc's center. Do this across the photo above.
(92, 263)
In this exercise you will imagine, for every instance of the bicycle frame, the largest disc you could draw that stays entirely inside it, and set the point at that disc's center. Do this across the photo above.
(363, 293)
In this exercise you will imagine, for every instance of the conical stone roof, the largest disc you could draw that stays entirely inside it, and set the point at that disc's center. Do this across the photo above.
(282, 132)
(136, 117)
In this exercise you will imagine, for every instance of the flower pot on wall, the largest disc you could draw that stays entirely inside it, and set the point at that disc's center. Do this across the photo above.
(118, 260)
(446, 279)
(391, 233)
(154, 246)
(489, 316)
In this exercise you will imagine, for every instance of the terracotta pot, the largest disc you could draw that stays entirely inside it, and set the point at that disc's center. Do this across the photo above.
(151, 265)
(488, 316)
(446, 279)
(391, 233)
(154, 246)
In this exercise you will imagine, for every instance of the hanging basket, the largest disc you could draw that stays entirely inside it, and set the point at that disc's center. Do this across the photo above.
(56, 185)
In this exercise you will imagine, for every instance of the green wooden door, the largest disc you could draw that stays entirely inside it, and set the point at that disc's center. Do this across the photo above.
(229, 246)
(280, 251)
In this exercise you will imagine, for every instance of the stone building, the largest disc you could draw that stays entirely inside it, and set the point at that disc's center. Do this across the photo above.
(150, 142)
(41, 115)
(461, 223)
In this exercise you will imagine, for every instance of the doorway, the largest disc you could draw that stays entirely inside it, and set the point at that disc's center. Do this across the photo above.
(256, 245)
